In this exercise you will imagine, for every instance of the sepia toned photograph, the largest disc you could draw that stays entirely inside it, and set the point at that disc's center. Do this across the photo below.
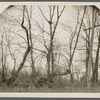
(51, 48)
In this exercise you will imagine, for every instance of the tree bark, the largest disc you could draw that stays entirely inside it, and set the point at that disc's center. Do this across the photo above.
(95, 71)
(52, 56)
(48, 64)
(90, 55)
(3, 66)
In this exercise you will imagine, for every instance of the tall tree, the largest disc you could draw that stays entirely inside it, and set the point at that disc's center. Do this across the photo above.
(90, 53)
(73, 45)
(29, 16)
(52, 31)
(2, 59)
(15, 75)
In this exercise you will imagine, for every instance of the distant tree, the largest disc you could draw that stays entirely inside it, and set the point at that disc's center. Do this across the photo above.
(73, 45)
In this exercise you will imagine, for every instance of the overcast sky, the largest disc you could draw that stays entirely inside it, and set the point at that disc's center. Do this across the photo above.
(4, 6)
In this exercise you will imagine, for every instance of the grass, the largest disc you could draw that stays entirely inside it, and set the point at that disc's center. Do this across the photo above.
(45, 89)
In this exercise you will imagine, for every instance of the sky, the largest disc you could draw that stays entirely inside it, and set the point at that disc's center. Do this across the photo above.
(4, 6)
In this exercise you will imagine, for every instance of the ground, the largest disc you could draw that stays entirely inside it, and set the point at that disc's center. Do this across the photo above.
(45, 89)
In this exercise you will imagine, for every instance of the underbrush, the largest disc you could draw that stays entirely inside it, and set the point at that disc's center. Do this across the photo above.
(59, 85)
(48, 90)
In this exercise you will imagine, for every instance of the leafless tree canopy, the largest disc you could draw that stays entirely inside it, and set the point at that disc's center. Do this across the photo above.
(50, 47)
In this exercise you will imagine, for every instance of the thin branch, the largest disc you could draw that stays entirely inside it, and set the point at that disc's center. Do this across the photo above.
(62, 11)
(79, 31)
(53, 12)
(91, 27)
(43, 14)
(58, 16)
(41, 27)
(40, 50)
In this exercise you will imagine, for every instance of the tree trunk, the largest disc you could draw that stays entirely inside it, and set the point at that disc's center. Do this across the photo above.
(71, 74)
(29, 16)
(52, 56)
(32, 60)
(33, 67)
(48, 64)
(87, 59)
(76, 42)
(71, 77)
(15, 75)
(95, 72)
(48, 70)
(3, 65)
(90, 55)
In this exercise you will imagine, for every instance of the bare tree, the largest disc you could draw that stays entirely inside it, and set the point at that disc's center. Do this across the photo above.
(29, 16)
(90, 53)
(72, 47)
(92, 67)
(52, 30)
(14, 76)
(95, 70)
(3, 59)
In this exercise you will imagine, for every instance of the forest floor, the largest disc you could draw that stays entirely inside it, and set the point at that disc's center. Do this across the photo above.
(44, 89)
